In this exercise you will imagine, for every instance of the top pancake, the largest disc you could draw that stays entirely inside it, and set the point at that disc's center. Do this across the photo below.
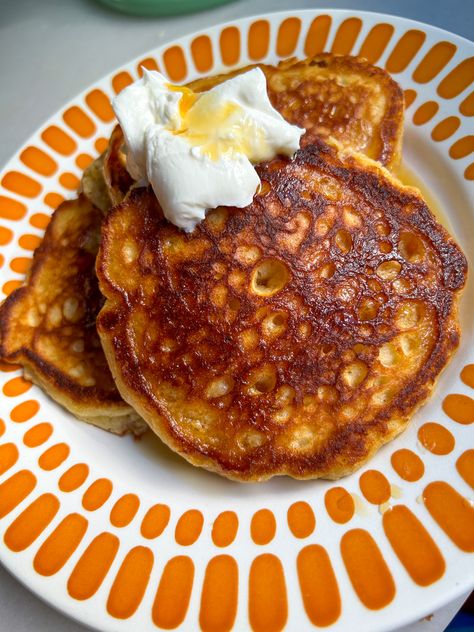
(48, 325)
(338, 96)
(294, 336)
(331, 96)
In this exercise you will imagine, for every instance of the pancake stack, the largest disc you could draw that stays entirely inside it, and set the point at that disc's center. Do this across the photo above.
(295, 336)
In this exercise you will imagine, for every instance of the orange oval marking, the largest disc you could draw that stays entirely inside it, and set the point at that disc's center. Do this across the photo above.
(92, 567)
(467, 106)
(101, 145)
(189, 527)
(469, 172)
(375, 487)
(339, 505)
(318, 585)
(288, 35)
(21, 184)
(24, 411)
(175, 63)
(452, 512)
(29, 525)
(460, 408)
(97, 494)
(413, 545)
(445, 128)
(99, 103)
(11, 286)
(5, 235)
(268, 605)
(174, 592)
(405, 50)
(465, 467)
(258, 39)
(2, 260)
(376, 42)
(317, 35)
(225, 528)
(78, 121)
(83, 161)
(39, 161)
(467, 375)
(124, 510)
(11, 209)
(16, 386)
(21, 265)
(8, 456)
(54, 456)
(73, 478)
(14, 490)
(263, 526)
(201, 49)
(457, 80)
(436, 438)
(346, 36)
(121, 80)
(58, 140)
(301, 519)
(219, 594)
(130, 583)
(407, 465)
(29, 242)
(367, 570)
(229, 43)
(69, 181)
(149, 63)
(462, 147)
(37, 435)
(2, 427)
(425, 112)
(155, 521)
(434, 61)
(53, 200)
(40, 220)
(60, 545)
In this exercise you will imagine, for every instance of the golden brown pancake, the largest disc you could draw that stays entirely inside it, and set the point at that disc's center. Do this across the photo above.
(48, 325)
(295, 336)
(116, 177)
(338, 96)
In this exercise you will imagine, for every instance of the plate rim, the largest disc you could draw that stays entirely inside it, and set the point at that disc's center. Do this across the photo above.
(47, 596)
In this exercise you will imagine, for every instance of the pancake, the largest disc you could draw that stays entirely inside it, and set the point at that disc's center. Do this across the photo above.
(94, 186)
(331, 96)
(48, 325)
(338, 96)
(116, 177)
(295, 336)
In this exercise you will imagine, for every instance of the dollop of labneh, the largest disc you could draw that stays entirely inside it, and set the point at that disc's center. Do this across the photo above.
(198, 150)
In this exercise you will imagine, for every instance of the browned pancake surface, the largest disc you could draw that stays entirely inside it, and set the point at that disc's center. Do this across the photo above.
(295, 336)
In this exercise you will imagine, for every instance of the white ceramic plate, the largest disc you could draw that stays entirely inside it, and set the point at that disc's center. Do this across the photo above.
(124, 535)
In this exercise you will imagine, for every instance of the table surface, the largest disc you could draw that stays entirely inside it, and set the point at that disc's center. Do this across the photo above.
(53, 49)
